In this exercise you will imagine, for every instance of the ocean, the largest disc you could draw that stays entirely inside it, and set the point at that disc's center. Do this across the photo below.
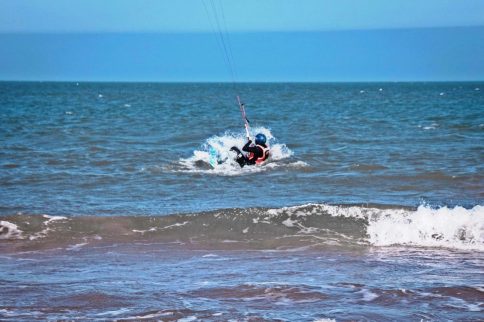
(370, 208)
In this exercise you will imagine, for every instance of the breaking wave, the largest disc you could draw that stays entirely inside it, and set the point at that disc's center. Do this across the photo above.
(289, 228)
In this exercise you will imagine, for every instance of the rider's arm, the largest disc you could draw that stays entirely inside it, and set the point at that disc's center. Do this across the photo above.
(248, 148)
(255, 150)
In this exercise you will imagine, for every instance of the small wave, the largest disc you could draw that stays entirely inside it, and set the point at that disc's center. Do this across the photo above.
(455, 228)
(367, 167)
(76, 247)
(444, 227)
(464, 296)
(431, 126)
(47, 228)
(199, 162)
(278, 293)
(9, 230)
(53, 218)
(180, 315)
(279, 229)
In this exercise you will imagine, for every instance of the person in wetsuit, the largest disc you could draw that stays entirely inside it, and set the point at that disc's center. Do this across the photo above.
(257, 153)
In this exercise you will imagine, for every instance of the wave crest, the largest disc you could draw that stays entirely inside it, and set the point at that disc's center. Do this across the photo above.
(298, 227)
(444, 227)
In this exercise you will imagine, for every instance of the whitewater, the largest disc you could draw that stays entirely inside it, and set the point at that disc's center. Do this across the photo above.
(311, 226)
(226, 165)
(370, 207)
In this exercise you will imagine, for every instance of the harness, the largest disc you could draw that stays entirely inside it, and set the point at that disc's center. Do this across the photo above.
(263, 157)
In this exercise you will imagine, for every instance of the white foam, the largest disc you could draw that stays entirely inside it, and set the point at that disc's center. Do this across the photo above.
(43, 233)
(457, 227)
(335, 211)
(114, 313)
(144, 231)
(76, 247)
(368, 296)
(339, 148)
(289, 223)
(10, 231)
(187, 319)
(432, 126)
(210, 255)
(53, 218)
(176, 225)
(222, 144)
(479, 288)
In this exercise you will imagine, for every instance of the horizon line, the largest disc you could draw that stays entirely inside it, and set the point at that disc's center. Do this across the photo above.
(181, 32)
(240, 82)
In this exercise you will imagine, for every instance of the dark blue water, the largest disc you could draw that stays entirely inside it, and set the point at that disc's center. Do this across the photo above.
(370, 207)
(158, 285)
(118, 148)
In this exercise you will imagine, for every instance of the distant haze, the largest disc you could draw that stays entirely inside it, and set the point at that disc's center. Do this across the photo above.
(271, 40)
(384, 55)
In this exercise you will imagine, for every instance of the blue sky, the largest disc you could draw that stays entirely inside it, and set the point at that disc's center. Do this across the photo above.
(241, 15)
(271, 40)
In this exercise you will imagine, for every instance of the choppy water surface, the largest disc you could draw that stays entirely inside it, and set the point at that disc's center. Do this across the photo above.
(371, 207)
(100, 148)
(157, 283)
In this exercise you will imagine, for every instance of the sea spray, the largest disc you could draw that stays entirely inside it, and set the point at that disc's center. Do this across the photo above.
(443, 227)
(226, 165)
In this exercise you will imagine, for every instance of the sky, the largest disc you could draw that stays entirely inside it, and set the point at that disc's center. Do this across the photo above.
(265, 40)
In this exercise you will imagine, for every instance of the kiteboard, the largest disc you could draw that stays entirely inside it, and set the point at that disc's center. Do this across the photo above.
(212, 156)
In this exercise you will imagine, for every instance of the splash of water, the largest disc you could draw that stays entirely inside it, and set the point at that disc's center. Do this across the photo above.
(453, 228)
(443, 227)
(220, 146)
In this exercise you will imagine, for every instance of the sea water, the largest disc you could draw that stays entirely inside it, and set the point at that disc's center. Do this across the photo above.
(369, 208)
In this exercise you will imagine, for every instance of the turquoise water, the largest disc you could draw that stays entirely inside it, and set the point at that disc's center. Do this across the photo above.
(370, 207)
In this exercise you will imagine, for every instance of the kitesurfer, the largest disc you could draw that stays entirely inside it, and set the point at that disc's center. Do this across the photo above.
(257, 154)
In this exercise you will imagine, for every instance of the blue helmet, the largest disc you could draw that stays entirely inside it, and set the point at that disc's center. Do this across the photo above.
(260, 139)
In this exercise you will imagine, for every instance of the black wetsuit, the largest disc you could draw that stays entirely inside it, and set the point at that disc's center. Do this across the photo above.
(243, 159)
